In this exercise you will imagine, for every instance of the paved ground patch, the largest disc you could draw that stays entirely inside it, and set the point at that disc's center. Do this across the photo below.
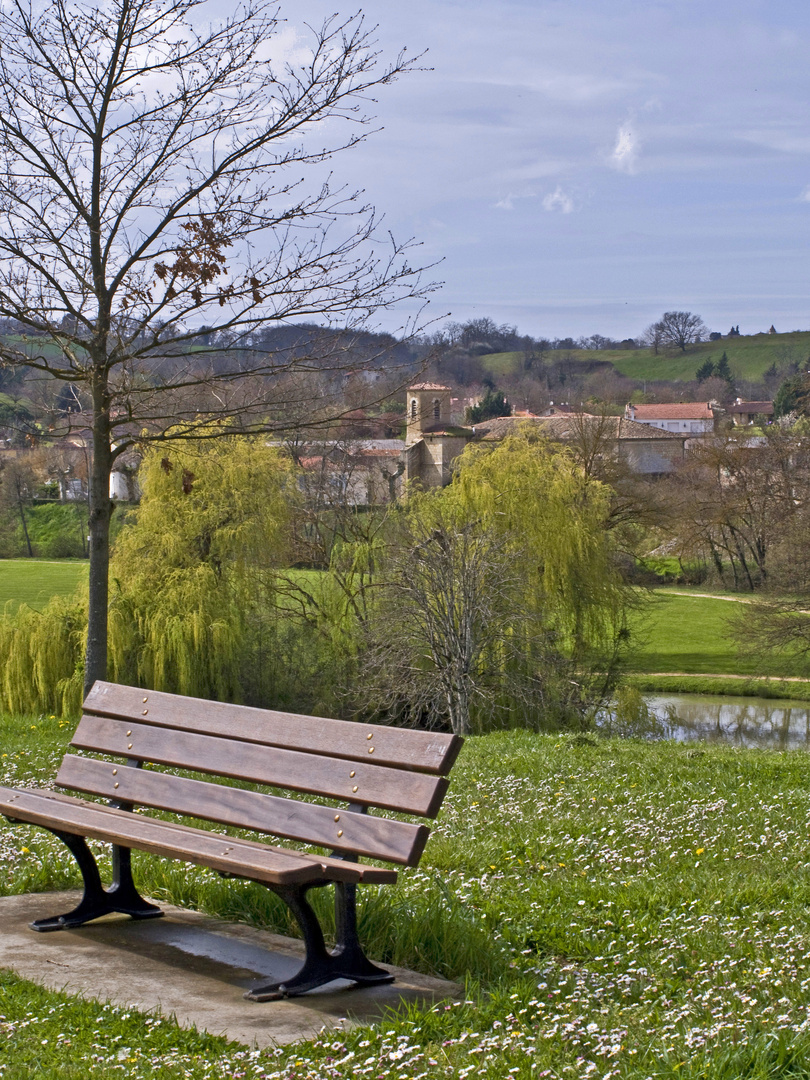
(193, 967)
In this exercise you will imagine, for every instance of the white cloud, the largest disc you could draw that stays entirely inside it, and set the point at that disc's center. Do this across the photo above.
(805, 195)
(558, 200)
(625, 152)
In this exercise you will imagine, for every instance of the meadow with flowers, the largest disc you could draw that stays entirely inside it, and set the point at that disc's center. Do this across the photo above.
(616, 908)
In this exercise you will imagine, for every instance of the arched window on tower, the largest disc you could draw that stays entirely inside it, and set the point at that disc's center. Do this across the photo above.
(437, 409)
(413, 408)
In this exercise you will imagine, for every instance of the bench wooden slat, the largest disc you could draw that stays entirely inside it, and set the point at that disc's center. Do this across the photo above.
(396, 841)
(230, 855)
(405, 749)
(194, 845)
(332, 867)
(358, 782)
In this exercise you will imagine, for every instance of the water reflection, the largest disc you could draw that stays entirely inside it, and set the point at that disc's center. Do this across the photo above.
(736, 720)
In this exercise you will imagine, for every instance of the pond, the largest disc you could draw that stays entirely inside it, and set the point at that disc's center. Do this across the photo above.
(741, 721)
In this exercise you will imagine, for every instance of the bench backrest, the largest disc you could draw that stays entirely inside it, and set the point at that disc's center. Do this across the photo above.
(362, 764)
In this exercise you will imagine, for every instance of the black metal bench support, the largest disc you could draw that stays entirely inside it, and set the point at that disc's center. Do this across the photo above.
(346, 961)
(121, 898)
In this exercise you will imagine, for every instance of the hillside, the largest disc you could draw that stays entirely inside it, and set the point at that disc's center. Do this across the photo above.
(749, 357)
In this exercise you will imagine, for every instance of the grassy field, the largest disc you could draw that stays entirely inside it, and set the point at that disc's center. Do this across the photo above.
(685, 633)
(35, 581)
(683, 645)
(619, 909)
(749, 357)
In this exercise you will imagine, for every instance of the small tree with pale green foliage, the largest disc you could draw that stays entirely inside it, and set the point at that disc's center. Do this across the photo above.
(501, 605)
(43, 657)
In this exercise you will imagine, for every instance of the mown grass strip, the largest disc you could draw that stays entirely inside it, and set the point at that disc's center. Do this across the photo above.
(719, 685)
(689, 634)
(35, 581)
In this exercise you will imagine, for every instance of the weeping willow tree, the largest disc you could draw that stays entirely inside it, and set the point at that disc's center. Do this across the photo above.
(43, 657)
(194, 573)
(502, 606)
(192, 608)
(553, 518)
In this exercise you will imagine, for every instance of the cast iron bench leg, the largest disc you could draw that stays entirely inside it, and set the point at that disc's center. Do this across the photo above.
(348, 954)
(347, 961)
(122, 897)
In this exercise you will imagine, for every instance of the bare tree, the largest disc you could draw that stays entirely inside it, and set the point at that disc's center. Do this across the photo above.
(780, 620)
(446, 602)
(653, 337)
(735, 504)
(152, 203)
(17, 483)
(676, 329)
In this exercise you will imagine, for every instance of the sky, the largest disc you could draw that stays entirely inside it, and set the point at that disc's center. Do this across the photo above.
(581, 166)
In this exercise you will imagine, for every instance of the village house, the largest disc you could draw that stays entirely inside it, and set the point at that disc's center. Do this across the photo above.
(744, 413)
(643, 449)
(689, 418)
(351, 472)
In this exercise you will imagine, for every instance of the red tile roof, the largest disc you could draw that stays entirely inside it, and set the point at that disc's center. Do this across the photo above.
(691, 410)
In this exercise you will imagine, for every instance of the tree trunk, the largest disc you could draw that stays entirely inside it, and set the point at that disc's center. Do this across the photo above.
(21, 507)
(458, 708)
(718, 562)
(101, 507)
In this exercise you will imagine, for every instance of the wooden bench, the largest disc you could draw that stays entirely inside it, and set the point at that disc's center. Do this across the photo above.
(355, 766)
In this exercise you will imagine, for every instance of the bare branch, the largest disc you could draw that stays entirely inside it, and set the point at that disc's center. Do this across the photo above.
(158, 175)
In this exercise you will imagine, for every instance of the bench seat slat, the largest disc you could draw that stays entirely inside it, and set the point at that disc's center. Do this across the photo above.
(430, 752)
(117, 826)
(396, 841)
(358, 782)
(334, 868)
(230, 855)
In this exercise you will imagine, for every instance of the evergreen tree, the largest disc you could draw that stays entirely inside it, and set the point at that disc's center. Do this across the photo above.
(493, 403)
(791, 397)
(706, 370)
(722, 369)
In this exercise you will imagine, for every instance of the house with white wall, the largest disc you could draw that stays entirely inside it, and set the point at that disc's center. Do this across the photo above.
(685, 418)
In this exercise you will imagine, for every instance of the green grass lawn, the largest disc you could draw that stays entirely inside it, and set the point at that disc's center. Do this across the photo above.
(506, 363)
(682, 633)
(620, 909)
(35, 581)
